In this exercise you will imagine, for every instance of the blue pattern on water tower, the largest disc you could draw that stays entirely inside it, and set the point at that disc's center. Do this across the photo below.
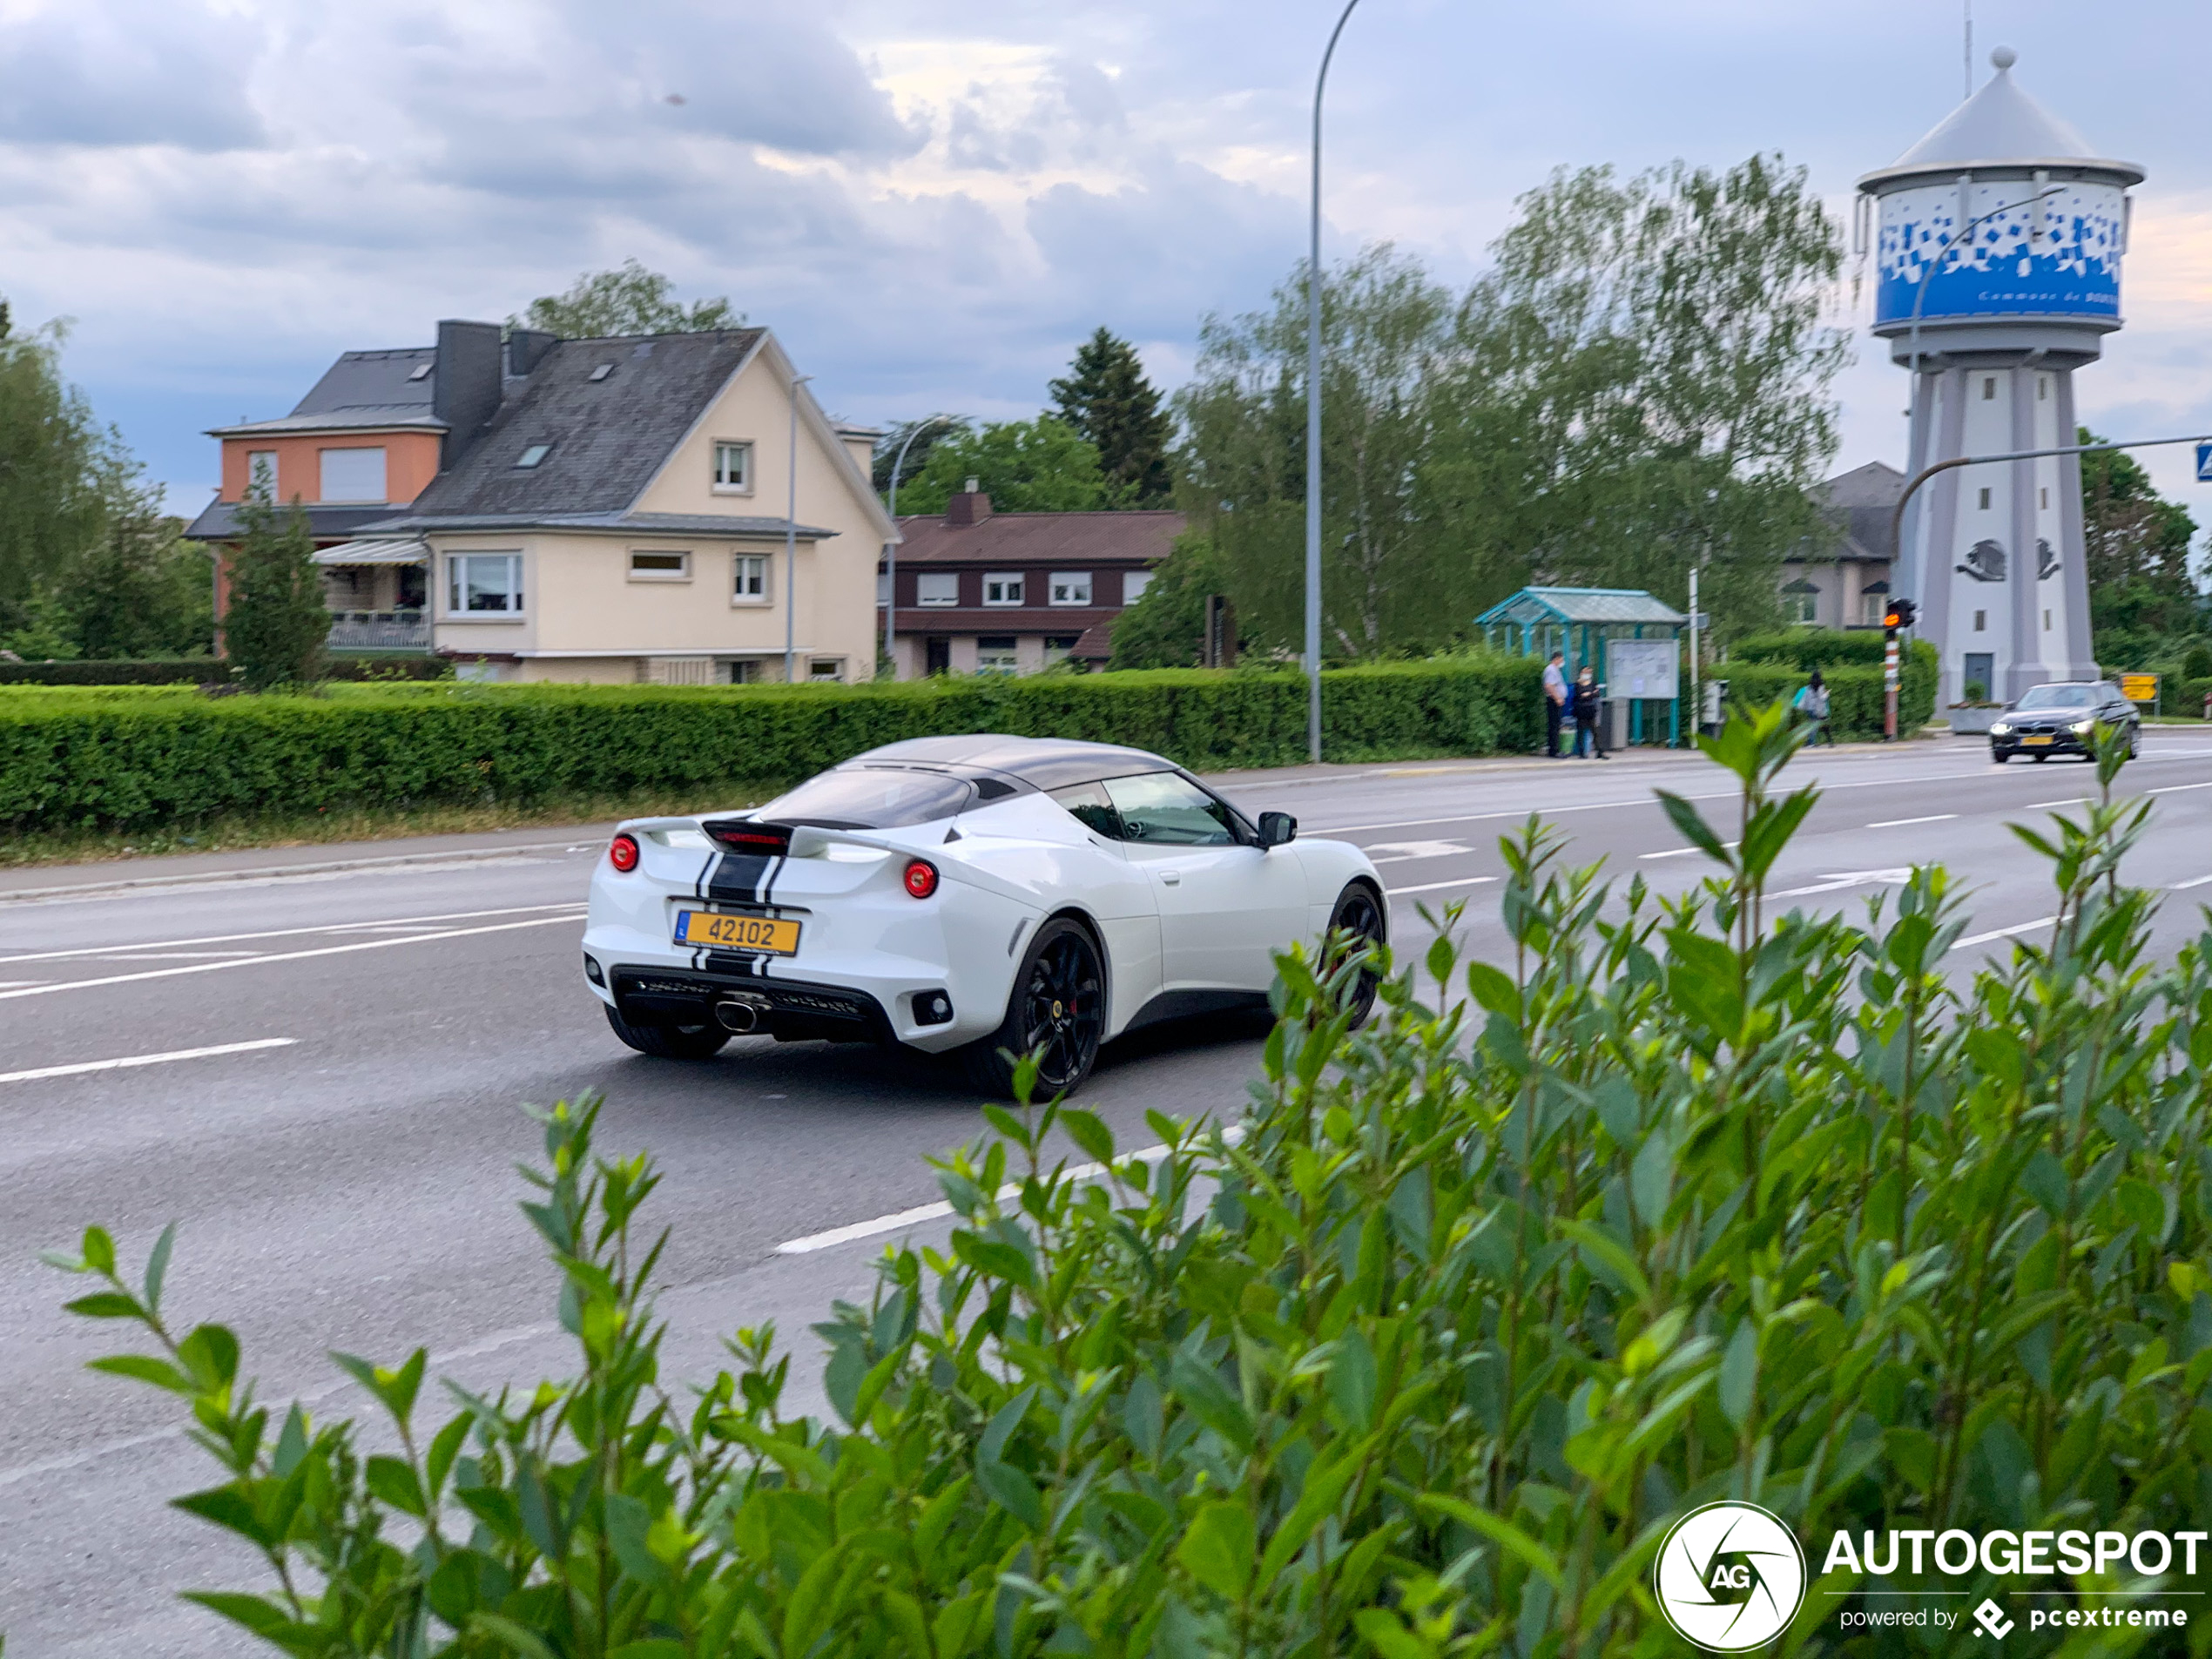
(1997, 242)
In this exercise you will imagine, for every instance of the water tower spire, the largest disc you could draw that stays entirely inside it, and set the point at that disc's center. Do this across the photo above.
(1998, 275)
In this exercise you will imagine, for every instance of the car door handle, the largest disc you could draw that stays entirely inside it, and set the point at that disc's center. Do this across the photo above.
(1170, 878)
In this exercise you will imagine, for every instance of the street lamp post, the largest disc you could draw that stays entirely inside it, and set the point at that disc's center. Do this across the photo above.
(791, 545)
(891, 549)
(1313, 417)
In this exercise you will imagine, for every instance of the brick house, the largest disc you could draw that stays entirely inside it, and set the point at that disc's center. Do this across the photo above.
(981, 591)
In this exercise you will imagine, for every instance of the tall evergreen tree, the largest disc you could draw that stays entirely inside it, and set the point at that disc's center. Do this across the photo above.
(273, 630)
(1110, 404)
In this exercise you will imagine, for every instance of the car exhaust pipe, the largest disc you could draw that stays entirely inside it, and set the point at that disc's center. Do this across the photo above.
(736, 1016)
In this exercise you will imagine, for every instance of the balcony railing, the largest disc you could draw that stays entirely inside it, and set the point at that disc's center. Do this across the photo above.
(379, 630)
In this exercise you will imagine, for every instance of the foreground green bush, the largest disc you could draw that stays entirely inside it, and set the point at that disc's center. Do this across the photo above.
(1678, 1201)
(123, 764)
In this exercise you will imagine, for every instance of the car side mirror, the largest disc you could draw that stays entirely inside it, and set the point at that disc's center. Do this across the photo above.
(1277, 829)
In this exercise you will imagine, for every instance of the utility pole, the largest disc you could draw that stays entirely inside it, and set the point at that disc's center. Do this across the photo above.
(1696, 698)
(791, 545)
(1313, 417)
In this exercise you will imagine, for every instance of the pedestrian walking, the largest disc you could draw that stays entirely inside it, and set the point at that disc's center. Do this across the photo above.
(1811, 704)
(1587, 702)
(1555, 702)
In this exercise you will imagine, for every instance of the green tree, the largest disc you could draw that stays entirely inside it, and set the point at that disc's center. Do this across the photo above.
(276, 622)
(2143, 600)
(1107, 401)
(49, 449)
(1167, 627)
(925, 434)
(1038, 466)
(139, 589)
(629, 300)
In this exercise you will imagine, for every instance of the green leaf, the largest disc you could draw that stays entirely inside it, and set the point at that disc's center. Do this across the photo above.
(147, 1369)
(1352, 1380)
(628, 1524)
(99, 1250)
(1496, 1526)
(443, 1450)
(1089, 1132)
(266, 1618)
(1740, 1372)
(392, 1480)
(1209, 1400)
(105, 1305)
(210, 1352)
(1688, 819)
(158, 1266)
(1218, 1550)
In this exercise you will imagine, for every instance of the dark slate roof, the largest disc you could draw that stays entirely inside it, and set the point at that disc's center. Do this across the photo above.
(217, 521)
(1009, 541)
(1858, 504)
(637, 523)
(608, 437)
(362, 389)
(1048, 763)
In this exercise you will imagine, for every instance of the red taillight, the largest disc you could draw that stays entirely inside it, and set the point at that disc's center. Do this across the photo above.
(622, 853)
(922, 878)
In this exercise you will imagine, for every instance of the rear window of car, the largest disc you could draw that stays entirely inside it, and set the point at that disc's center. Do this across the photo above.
(870, 798)
(2059, 696)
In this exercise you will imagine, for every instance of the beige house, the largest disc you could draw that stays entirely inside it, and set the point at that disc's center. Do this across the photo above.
(618, 510)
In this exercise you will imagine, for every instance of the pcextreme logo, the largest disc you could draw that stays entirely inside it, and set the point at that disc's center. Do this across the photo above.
(1730, 1577)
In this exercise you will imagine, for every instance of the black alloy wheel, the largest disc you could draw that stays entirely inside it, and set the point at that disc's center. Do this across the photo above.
(1057, 1013)
(1357, 923)
(669, 1041)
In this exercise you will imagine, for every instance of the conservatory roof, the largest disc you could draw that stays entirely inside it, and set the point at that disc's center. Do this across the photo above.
(1579, 605)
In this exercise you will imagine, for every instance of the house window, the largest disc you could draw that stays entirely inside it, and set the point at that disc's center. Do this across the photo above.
(745, 672)
(825, 668)
(1133, 585)
(660, 567)
(937, 587)
(994, 654)
(882, 589)
(2042, 387)
(751, 586)
(1058, 648)
(484, 582)
(733, 467)
(353, 474)
(1989, 388)
(1872, 607)
(1071, 587)
(1984, 501)
(1809, 606)
(1981, 620)
(2047, 622)
(1002, 587)
(533, 456)
(261, 473)
(2047, 495)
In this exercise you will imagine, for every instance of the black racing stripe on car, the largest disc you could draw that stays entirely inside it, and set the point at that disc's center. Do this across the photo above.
(740, 878)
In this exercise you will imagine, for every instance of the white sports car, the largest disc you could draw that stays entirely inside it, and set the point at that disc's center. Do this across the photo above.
(996, 895)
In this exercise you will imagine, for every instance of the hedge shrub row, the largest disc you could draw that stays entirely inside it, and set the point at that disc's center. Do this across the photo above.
(210, 670)
(1825, 649)
(125, 762)
(1854, 693)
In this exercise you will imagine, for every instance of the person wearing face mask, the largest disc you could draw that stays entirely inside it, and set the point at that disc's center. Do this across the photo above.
(1586, 706)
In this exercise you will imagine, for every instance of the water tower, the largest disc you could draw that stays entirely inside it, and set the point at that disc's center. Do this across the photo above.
(1998, 247)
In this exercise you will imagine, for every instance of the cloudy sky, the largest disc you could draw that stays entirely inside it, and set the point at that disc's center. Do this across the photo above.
(933, 201)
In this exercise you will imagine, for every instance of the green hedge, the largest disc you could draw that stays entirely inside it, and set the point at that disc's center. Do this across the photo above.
(206, 670)
(1825, 649)
(1854, 693)
(123, 762)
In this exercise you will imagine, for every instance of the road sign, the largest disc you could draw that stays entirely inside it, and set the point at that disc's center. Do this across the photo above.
(2138, 688)
(2204, 463)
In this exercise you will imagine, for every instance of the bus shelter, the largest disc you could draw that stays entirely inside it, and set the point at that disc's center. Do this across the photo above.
(1632, 640)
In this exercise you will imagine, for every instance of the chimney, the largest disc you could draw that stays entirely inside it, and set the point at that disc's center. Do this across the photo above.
(465, 392)
(971, 506)
(525, 347)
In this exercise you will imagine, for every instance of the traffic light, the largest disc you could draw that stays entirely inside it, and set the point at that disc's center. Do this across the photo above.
(1899, 615)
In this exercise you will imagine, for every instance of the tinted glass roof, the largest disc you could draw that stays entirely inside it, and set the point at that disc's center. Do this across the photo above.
(1045, 763)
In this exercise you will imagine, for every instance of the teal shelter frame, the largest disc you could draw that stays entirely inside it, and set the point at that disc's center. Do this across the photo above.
(1582, 623)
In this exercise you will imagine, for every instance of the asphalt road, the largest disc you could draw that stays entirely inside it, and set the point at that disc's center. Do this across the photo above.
(341, 1158)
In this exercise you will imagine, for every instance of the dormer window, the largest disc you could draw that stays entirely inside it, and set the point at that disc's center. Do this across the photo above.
(601, 373)
(534, 455)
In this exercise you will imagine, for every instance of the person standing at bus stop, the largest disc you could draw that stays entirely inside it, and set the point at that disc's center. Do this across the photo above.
(1554, 701)
(1589, 704)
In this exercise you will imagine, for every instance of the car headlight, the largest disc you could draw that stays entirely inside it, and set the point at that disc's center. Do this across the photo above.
(2002, 729)
(2083, 728)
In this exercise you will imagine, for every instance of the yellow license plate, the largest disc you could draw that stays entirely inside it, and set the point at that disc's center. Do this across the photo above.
(2031, 743)
(770, 938)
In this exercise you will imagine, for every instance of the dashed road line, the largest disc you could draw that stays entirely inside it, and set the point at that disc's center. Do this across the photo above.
(129, 1061)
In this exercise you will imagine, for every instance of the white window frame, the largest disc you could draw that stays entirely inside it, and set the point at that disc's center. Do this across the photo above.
(253, 458)
(742, 484)
(932, 591)
(1808, 608)
(816, 665)
(1133, 585)
(456, 594)
(383, 472)
(1070, 588)
(681, 573)
(1872, 607)
(1011, 653)
(754, 564)
(1005, 588)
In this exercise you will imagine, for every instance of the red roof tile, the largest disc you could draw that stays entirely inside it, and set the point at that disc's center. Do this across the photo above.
(1013, 539)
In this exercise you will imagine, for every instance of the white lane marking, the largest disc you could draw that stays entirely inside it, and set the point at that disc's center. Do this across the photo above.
(124, 1064)
(129, 955)
(1841, 879)
(287, 933)
(1400, 852)
(2195, 881)
(282, 956)
(1437, 886)
(2004, 933)
(923, 1212)
(2175, 789)
(1899, 823)
(2071, 800)
(1678, 852)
